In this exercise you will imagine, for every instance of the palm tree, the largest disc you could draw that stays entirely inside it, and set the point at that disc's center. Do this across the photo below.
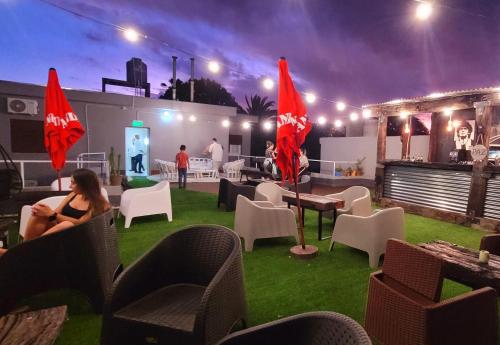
(259, 106)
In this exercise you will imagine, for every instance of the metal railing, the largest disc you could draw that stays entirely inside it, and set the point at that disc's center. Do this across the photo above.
(104, 166)
(315, 165)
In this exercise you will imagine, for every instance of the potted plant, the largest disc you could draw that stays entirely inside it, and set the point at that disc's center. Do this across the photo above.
(359, 166)
(115, 178)
(338, 170)
(348, 171)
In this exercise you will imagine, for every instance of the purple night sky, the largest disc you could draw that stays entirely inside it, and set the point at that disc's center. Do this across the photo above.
(359, 51)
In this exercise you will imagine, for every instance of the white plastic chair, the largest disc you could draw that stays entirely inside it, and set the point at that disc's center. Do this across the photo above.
(357, 201)
(232, 169)
(146, 201)
(370, 234)
(260, 219)
(272, 192)
(65, 184)
(52, 202)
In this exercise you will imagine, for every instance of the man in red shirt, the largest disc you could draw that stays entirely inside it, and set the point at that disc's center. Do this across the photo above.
(182, 165)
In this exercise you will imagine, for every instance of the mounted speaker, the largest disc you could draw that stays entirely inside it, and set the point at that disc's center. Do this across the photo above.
(22, 106)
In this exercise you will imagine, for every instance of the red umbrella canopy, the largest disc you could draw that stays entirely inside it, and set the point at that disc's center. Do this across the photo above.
(62, 128)
(292, 123)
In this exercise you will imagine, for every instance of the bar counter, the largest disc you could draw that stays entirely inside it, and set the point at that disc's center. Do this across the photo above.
(443, 186)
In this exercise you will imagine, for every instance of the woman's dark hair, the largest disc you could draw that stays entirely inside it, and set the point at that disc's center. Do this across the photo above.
(182, 148)
(88, 185)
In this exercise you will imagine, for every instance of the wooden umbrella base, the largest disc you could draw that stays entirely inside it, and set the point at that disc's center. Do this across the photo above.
(308, 253)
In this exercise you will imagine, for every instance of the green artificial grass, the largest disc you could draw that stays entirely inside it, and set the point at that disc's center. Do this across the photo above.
(276, 284)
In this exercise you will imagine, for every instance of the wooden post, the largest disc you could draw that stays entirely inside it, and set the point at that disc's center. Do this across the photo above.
(381, 137)
(477, 194)
(434, 138)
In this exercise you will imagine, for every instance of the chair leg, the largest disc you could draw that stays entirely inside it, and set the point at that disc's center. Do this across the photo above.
(332, 243)
(248, 244)
(128, 220)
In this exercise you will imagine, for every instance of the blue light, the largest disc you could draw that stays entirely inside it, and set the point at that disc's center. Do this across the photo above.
(167, 116)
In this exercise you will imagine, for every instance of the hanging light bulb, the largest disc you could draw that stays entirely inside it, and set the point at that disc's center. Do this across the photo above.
(268, 125)
(340, 106)
(321, 120)
(310, 97)
(245, 125)
(424, 11)
(226, 123)
(214, 66)
(268, 84)
(131, 34)
(404, 114)
(449, 127)
(407, 128)
(354, 116)
(337, 123)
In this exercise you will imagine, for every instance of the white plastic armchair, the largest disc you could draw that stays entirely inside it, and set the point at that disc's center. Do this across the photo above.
(52, 202)
(260, 219)
(232, 169)
(146, 201)
(357, 201)
(65, 184)
(370, 234)
(270, 191)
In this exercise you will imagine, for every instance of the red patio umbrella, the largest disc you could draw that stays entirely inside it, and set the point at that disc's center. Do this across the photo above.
(61, 127)
(293, 128)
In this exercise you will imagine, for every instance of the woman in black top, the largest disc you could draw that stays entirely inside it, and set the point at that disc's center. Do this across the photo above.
(84, 202)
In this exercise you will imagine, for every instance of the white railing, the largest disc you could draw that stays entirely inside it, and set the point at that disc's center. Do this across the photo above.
(326, 166)
(80, 163)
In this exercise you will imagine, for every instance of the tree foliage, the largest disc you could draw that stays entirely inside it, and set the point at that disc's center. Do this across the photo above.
(206, 91)
(259, 106)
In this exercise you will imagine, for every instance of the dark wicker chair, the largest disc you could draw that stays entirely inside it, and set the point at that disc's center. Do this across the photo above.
(304, 185)
(84, 258)
(316, 328)
(188, 289)
(228, 192)
(404, 309)
(491, 243)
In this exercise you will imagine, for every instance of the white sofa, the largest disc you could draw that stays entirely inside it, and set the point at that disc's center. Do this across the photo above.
(146, 201)
(357, 201)
(260, 219)
(370, 234)
(52, 202)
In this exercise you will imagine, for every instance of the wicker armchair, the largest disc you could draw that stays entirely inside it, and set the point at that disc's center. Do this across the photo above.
(229, 191)
(84, 257)
(316, 328)
(491, 243)
(188, 289)
(404, 306)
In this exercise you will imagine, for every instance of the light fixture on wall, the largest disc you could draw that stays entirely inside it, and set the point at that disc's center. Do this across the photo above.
(246, 125)
(226, 123)
(192, 118)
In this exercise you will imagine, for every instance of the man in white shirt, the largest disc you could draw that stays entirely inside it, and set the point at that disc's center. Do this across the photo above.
(217, 153)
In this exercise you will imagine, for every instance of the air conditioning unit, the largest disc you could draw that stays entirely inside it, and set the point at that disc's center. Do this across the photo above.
(22, 106)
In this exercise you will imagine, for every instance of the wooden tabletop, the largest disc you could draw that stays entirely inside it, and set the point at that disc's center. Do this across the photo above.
(316, 202)
(462, 264)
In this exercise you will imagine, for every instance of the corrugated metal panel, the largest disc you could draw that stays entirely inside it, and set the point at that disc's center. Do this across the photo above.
(442, 189)
(492, 200)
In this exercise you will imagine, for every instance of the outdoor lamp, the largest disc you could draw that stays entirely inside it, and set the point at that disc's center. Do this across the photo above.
(424, 11)
(214, 66)
(192, 118)
(367, 113)
(310, 98)
(337, 123)
(268, 125)
(131, 35)
(340, 106)
(321, 120)
(268, 84)
(245, 125)
(226, 123)
(354, 116)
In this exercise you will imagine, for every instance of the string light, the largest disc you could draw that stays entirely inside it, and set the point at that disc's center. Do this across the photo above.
(448, 111)
(180, 117)
(268, 83)
(449, 127)
(245, 125)
(404, 114)
(354, 116)
(321, 120)
(214, 66)
(424, 11)
(192, 118)
(337, 123)
(310, 97)
(131, 35)
(341, 106)
(367, 113)
(407, 128)
(226, 123)
(268, 125)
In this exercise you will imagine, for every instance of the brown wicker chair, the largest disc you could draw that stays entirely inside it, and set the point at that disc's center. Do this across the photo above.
(188, 289)
(229, 191)
(491, 243)
(84, 258)
(316, 328)
(404, 309)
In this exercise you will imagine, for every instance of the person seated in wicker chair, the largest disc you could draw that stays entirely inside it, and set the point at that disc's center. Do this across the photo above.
(84, 202)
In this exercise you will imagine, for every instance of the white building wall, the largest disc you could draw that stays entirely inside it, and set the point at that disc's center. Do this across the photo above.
(354, 148)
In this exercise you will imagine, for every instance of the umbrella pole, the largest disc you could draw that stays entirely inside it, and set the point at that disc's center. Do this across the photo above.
(301, 251)
(59, 179)
(297, 198)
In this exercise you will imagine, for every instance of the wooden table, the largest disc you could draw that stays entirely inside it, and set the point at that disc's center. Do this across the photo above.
(316, 203)
(40, 327)
(254, 173)
(461, 265)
